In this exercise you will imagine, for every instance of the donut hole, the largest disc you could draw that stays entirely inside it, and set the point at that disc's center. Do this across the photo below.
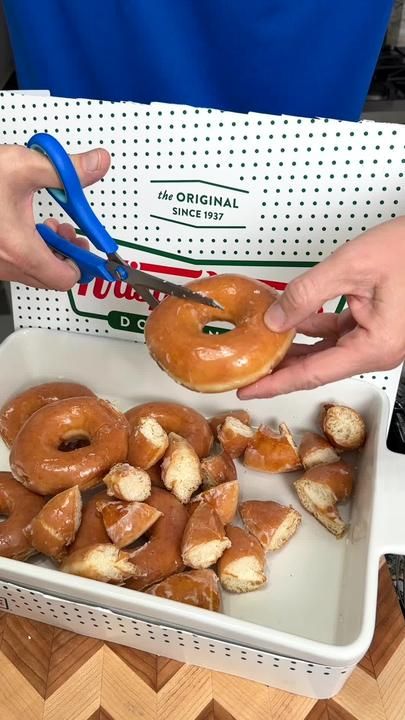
(218, 327)
(3, 517)
(74, 442)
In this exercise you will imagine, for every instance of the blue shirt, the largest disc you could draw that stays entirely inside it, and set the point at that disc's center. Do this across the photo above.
(300, 57)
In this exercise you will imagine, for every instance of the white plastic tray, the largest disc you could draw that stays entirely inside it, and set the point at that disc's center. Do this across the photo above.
(319, 605)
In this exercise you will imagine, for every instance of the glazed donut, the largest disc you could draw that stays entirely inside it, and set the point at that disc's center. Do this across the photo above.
(217, 469)
(234, 436)
(271, 451)
(181, 468)
(223, 498)
(20, 506)
(271, 523)
(321, 488)
(215, 363)
(242, 567)
(125, 522)
(173, 418)
(148, 443)
(128, 483)
(18, 409)
(204, 539)
(56, 525)
(316, 450)
(91, 530)
(105, 563)
(219, 419)
(196, 587)
(343, 426)
(160, 556)
(38, 461)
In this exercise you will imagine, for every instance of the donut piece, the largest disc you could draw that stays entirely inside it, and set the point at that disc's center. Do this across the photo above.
(218, 420)
(196, 587)
(16, 411)
(160, 556)
(271, 523)
(128, 483)
(321, 488)
(20, 506)
(126, 522)
(316, 450)
(91, 530)
(269, 451)
(216, 363)
(242, 567)
(234, 436)
(204, 538)
(38, 461)
(99, 562)
(343, 426)
(55, 527)
(217, 469)
(222, 498)
(148, 442)
(179, 419)
(181, 471)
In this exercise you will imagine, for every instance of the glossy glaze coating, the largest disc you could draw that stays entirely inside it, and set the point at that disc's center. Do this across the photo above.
(338, 477)
(174, 418)
(223, 498)
(91, 530)
(160, 556)
(263, 519)
(55, 527)
(16, 411)
(38, 463)
(197, 587)
(125, 522)
(215, 363)
(269, 451)
(20, 506)
(217, 469)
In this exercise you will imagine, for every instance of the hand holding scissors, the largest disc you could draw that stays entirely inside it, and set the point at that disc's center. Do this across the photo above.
(110, 265)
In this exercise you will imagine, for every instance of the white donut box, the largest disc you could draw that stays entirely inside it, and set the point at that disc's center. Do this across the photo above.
(306, 630)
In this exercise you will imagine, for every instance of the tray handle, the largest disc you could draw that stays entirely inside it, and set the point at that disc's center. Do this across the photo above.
(391, 514)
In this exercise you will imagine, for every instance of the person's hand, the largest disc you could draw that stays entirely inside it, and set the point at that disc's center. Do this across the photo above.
(369, 336)
(24, 257)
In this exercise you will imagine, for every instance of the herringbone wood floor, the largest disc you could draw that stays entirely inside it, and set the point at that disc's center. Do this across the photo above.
(51, 674)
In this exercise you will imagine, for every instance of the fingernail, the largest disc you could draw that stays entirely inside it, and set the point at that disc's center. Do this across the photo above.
(275, 317)
(91, 161)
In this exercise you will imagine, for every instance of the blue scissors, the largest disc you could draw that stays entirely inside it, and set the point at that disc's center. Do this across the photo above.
(73, 201)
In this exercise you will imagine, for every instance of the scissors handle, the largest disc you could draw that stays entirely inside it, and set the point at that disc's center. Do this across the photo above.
(89, 264)
(71, 197)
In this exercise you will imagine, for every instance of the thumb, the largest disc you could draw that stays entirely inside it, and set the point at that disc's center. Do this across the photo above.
(307, 293)
(37, 172)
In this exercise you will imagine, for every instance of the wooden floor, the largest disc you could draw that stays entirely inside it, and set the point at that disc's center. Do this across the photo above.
(51, 674)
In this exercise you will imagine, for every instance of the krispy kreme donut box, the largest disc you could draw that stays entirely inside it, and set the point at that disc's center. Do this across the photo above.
(191, 193)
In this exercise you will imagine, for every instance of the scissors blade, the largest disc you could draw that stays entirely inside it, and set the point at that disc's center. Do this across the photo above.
(138, 278)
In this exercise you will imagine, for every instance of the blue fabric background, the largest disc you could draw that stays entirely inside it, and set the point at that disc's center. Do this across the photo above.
(301, 57)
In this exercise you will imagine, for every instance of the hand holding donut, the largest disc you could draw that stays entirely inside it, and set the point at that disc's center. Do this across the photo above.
(369, 336)
(24, 257)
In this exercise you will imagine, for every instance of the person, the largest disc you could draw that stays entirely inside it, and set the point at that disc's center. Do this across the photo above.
(265, 56)
(370, 271)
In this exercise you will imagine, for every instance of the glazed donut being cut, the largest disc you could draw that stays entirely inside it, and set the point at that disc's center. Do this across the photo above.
(16, 411)
(173, 418)
(216, 363)
(71, 442)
